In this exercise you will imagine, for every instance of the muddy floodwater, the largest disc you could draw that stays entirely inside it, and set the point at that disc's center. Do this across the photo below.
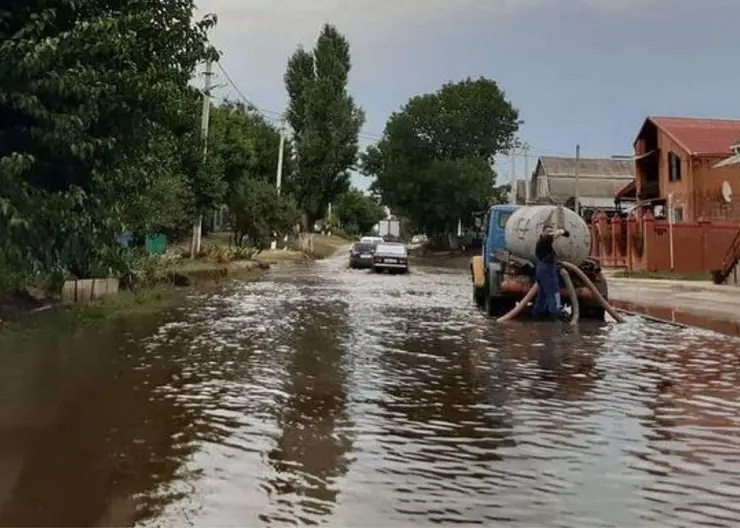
(323, 396)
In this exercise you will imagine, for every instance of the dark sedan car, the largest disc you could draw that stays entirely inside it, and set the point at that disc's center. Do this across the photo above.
(361, 256)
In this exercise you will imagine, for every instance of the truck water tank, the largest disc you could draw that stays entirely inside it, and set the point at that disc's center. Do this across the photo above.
(525, 226)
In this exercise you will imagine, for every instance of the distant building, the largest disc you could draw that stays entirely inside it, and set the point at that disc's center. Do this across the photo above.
(599, 180)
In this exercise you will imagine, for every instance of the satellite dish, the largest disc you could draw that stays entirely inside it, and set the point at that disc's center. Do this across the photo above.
(726, 191)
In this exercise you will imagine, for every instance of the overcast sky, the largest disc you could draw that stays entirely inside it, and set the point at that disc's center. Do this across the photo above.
(580, 71)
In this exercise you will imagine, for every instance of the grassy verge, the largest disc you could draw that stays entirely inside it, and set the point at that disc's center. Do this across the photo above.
(326, 246)
(660, 275)
(59, 320)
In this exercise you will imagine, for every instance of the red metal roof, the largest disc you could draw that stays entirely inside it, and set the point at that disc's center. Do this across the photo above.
(628, 191)
(701, 136)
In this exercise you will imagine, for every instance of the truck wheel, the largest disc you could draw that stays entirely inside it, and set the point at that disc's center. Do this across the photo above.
(479, 296)
(497, 306)
(594, 312)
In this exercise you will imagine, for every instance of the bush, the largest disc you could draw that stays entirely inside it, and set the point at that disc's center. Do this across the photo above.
(145, 270)
(243, 253)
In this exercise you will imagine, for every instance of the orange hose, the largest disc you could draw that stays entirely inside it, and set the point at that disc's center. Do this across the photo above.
(521, 305)
(608, 307)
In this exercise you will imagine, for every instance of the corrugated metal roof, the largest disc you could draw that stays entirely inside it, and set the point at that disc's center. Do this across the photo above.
(563, 188)
(589, 167)
(699, 135)
(596, 202)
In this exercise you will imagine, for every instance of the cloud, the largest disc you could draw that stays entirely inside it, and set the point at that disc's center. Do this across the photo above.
(276, 26)
(257, 36)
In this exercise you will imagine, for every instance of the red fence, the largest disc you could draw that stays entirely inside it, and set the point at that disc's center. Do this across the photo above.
(644, 243)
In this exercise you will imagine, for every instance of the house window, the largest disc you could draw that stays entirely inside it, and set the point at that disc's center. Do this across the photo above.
(674, 167)
(678, 214)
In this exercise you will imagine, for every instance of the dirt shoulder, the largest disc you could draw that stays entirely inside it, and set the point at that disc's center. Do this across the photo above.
(697, 303)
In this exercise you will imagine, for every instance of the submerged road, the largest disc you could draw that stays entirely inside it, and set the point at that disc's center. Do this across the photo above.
(323, 396)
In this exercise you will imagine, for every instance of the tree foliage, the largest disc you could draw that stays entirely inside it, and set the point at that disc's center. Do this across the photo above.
(434, 163)
(357, 212)
(258, 213)
(326, 123)
(244, 151)
(95, 113)
(245, 145)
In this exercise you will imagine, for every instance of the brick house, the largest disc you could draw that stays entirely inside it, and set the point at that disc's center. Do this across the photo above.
(689, 162)
(682, 157)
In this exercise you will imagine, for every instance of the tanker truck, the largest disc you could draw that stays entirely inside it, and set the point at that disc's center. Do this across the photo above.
(504, 272)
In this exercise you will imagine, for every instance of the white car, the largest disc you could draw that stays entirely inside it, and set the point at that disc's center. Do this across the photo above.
(390, 257)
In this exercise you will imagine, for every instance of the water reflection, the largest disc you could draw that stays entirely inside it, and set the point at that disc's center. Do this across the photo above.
(311, 451)
(324, 397)
(82, 435)
(554, 360)
(715, 323)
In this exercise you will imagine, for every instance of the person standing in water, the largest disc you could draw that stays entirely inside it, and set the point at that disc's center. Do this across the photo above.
(546, 274)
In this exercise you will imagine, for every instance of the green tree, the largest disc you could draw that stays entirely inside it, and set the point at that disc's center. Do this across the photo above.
(326, 123)
(434, 163)
(357, 212)
(243, 144)
(258, 213)
(499, 195)
(90, 93)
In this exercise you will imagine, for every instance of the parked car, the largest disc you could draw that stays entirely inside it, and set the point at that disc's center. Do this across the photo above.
(391, 257)
(361, 255)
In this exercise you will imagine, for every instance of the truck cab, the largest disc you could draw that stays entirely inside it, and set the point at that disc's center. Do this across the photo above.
(494, 238)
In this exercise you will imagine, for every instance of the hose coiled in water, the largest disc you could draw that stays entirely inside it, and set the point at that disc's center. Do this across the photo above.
(575, 305)
(571, 269)
(603, 302)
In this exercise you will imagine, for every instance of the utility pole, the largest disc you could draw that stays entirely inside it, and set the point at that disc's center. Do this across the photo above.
(512, 175)
(279, 173)
(527, 176)
(578, 180)
(204, 126)
(281, 150)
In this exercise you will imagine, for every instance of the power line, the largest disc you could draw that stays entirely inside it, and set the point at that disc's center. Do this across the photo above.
(244, 98)
(267, 114)
(278, 117)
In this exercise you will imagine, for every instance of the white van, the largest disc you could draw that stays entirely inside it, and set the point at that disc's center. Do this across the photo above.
(374, 240)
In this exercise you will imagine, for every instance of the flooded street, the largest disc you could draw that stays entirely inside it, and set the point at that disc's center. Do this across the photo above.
(323, 396)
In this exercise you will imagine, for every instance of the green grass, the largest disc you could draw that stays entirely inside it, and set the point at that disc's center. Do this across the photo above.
(662, 275)
(279, 256)
(326, 246)
(60, 321)
(197, 265)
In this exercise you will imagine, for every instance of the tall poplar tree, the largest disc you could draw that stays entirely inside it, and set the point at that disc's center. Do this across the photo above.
(326, 122)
